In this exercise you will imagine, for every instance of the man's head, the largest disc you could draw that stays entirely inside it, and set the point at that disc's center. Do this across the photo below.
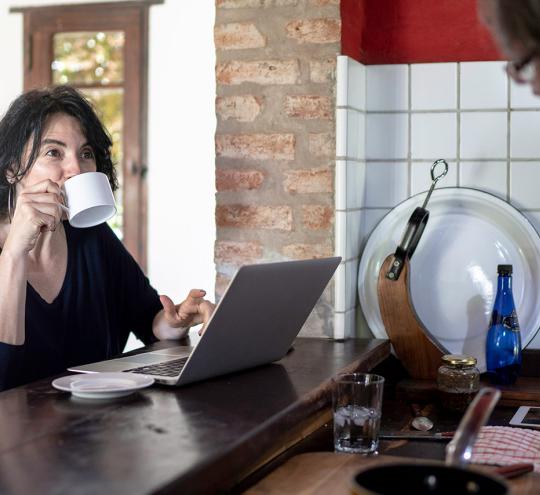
(515, 26)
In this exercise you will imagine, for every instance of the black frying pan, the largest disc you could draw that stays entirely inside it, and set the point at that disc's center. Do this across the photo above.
(426, 479)
(437, 478)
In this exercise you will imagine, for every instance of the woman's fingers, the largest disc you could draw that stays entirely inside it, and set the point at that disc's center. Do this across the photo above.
(37, 210)
(45, 186)
(45, 197)
(195, 296)
(189, 309)
(175, 318)
(48, 211)
(194, 310)
(39, 215)
(42, 197)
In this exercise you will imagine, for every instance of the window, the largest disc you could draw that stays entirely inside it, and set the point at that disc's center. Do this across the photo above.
(101, 49)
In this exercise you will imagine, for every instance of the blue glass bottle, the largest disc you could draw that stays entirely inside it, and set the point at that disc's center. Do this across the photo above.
(503, 344)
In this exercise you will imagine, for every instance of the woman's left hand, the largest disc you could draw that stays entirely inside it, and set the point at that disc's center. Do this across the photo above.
(192, 311)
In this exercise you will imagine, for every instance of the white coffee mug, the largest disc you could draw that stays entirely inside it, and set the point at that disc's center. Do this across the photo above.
(89, 199)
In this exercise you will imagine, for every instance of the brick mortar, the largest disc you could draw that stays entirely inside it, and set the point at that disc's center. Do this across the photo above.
(286, 13)
(271, 23)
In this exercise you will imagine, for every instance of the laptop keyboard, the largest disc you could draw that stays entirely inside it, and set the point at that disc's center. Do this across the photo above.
(169, 368)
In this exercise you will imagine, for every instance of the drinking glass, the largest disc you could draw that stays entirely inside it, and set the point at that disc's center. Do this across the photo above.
(357, 402)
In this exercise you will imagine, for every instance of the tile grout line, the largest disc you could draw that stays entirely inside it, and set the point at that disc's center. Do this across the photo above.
(508, 136)
(343, 72)
(430, 160)
(409, 131)
(458, 124)
(437, 111)
(388, 208)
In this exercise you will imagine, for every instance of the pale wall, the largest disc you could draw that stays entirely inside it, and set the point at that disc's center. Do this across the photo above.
(181, 135)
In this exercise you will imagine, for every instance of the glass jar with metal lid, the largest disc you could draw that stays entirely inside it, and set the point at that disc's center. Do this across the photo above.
(458, 381)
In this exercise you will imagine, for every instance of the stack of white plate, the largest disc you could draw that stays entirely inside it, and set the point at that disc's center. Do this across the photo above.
(453, 275)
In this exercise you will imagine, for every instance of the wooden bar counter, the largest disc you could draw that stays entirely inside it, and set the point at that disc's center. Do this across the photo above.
(202, 438)
(312, 467)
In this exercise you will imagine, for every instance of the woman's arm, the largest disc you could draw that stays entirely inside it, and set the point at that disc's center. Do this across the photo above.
(37, 211)
(13, 277)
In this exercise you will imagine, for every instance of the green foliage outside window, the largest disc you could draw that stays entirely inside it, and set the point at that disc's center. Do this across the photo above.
(94, 62)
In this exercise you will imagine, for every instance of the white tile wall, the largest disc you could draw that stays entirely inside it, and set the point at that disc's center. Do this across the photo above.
(342, 81)
(344, 324)
(356, 185)
(524, 134)
(340, 181)
(341, 234)
(350, 184)
(340, 288)
(350, 83)
(386, 184)
(370, 219)
(354, 239)
(356, 135)
(484, 135)
(345, 278)
(490, 176)
(524, 181)
(350, 127)
(387, 136)
(522, 97)
(433, 86)
(483, 85)
(469, 113)
(350, 188)
(341, 132)
(387, 87)
(433, 135)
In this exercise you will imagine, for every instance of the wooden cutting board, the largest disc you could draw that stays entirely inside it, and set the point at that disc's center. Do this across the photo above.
(331, 473)
(418, 354)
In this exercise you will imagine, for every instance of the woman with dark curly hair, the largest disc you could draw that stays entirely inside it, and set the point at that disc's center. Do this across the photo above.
(515, 26)
(67, 296)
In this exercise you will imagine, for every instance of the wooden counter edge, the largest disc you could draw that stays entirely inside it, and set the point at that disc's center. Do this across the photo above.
(330, 472)
(273, 437)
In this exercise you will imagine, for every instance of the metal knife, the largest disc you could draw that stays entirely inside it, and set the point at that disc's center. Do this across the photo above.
(443, 436)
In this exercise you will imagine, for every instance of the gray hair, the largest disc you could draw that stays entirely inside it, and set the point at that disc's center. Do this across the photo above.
(519, 20)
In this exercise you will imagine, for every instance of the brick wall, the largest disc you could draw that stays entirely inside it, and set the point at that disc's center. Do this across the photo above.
(275, 138)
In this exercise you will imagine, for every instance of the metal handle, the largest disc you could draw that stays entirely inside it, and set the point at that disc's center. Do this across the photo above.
(459, 450)
(435, 178)
(415, 227)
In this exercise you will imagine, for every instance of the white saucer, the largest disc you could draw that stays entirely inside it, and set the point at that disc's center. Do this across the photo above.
(102, 385)
(453, 275)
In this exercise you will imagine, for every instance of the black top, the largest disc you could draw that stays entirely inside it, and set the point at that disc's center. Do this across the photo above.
(504, 269)
(104, 296)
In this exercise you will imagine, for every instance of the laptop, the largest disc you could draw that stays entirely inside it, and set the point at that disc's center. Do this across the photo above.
(255, 323)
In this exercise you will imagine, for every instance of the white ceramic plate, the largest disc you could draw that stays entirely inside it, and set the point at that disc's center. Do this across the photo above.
(453, 276)
(102, 385)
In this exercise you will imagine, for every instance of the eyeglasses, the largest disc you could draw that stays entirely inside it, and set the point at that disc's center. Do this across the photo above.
(523, 70)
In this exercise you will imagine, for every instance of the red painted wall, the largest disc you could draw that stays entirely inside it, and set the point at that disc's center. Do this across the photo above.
(413, 31)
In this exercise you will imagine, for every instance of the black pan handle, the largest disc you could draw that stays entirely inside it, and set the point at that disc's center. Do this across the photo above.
(409, 242)
(415, 226)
